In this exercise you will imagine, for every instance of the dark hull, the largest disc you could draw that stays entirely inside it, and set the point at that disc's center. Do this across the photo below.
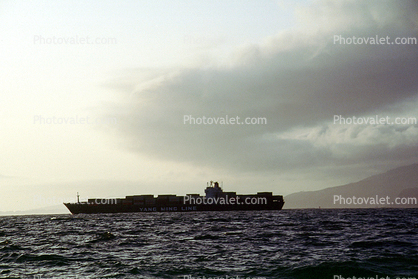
(77, 208)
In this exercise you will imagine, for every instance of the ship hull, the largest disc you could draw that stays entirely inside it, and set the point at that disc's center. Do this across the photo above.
(77, 208)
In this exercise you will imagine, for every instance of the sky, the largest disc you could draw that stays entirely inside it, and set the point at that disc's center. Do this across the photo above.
(98, 97)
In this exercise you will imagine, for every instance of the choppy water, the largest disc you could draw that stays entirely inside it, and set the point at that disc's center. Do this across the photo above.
(283, 244)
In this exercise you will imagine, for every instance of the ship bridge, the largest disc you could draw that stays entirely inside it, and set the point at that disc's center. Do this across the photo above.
(214, 190)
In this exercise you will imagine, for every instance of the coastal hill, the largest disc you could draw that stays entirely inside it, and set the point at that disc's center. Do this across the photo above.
(397, 183)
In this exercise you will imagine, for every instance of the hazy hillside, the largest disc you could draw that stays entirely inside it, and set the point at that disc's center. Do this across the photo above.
(400, 182)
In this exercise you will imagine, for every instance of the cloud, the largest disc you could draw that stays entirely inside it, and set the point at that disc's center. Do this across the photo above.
(298, 80)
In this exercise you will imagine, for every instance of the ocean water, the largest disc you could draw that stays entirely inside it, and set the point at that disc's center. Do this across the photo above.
(317, 243)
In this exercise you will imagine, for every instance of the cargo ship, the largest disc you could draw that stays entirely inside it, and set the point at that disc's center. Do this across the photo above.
(215, 199)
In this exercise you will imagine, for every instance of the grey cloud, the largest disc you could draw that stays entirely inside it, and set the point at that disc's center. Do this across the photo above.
(297, 79)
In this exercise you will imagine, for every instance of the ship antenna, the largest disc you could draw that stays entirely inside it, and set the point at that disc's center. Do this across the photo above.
(78, 198)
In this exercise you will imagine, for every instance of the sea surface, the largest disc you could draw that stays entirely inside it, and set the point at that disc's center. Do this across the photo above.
(317, 243)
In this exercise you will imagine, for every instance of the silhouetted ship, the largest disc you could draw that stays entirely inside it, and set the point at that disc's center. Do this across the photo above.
(214, 200)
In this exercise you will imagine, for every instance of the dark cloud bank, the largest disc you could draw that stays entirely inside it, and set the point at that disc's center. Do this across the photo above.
(298, 80)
